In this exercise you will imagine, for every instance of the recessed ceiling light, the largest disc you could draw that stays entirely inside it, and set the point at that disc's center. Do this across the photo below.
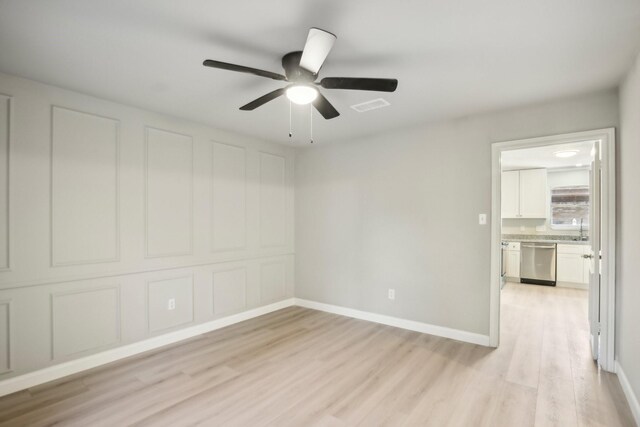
(565, 153)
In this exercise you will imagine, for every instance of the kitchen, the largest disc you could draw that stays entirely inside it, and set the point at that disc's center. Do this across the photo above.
(545, 199)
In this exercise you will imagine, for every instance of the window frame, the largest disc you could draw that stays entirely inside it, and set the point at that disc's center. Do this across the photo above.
(552, 226)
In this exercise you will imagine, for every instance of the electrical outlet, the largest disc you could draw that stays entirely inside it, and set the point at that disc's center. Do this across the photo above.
(171, 304)
(482, 219)
(392, 294)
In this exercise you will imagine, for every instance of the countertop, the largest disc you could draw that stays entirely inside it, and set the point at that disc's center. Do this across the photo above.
(563, 240)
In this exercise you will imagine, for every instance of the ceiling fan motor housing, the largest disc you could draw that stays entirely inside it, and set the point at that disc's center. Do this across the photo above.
(293, 70)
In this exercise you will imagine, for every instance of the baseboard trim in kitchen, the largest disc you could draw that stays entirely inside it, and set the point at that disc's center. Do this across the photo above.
(31, 379)
(634, 403)
(425, 328)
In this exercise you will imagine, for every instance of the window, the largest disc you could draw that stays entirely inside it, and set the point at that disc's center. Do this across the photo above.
(569, 206)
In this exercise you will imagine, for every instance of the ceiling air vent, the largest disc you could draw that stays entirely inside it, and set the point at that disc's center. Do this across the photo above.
(370, 105)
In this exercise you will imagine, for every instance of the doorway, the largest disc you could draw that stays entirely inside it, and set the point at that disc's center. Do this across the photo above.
(543, 208)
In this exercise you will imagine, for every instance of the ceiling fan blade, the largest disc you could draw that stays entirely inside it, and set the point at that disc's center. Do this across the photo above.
(357, 83)
(318, 46)
(263, 100)
(324, 107)
(243, 69)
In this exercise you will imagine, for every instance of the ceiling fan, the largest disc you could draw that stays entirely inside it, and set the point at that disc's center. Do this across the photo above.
(301, 71)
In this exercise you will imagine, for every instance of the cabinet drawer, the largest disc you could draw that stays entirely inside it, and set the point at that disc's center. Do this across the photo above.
(573, 249)
(514, 246)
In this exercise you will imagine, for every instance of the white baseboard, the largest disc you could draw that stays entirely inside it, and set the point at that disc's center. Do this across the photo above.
(634, 403)
(31, 379)
(21, 382)
(411, 325)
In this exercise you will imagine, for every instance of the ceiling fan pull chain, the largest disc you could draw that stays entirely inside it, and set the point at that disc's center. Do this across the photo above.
(290, 130)
(311, 122)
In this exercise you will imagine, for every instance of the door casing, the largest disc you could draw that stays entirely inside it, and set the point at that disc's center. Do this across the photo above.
(607, 237)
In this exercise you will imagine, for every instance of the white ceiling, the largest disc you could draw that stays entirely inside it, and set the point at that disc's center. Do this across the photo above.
(544, 157)
(452, 58)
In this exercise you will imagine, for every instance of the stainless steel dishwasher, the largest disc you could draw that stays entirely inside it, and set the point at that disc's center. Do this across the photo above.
(538, 263)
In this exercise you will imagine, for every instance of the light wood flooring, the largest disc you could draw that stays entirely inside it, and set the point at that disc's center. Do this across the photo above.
(300, 367)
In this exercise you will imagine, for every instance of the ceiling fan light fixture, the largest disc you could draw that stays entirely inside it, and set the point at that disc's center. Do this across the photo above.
(302, 94)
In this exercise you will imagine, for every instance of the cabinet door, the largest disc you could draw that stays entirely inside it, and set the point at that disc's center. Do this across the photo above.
(513, 263)
(510, 188)
(570, 268)
(533, 193)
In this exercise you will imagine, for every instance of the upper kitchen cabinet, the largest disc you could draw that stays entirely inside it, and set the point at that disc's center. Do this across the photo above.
(524, 194)
(533, 193)
(511, 194)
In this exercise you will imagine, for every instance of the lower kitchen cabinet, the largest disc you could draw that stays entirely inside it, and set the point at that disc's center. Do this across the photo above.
(512, 267)
(513, 264)
(572, 267)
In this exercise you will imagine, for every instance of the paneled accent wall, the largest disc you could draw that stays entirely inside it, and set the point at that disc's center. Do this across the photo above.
(85, 319)
(272, 281)
(169, 193)
(5, 336)
(273, 201)
(229, 198)
(178, 290)
(117, 225)
(84, 187)
(229, 290)
(5, 132)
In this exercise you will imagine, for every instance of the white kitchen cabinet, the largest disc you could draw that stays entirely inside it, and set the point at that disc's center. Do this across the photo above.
(572, 267)
(524, 193)
(510, 188)
(513, 264)
(512, 260)
(533, 193)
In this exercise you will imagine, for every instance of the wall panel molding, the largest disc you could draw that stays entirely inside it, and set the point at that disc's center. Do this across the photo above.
(6, 104)
(168, 193)
(85, 224)
(6, 336)
(229, 290)
(85, 320)
(228, 197)
(81, 205)
(130, 272)
(273, 281)
(159, 290)
(272, 202)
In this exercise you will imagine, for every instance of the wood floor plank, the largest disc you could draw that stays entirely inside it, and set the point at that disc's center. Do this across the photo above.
(300, 367)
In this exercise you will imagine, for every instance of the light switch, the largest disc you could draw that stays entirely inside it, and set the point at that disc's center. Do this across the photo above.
(482, 219)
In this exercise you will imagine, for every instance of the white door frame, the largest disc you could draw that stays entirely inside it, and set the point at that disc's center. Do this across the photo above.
(608, 236)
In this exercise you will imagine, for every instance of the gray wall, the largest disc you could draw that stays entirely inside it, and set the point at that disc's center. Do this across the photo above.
(400, 210)
(628, 269)
(107, 212)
